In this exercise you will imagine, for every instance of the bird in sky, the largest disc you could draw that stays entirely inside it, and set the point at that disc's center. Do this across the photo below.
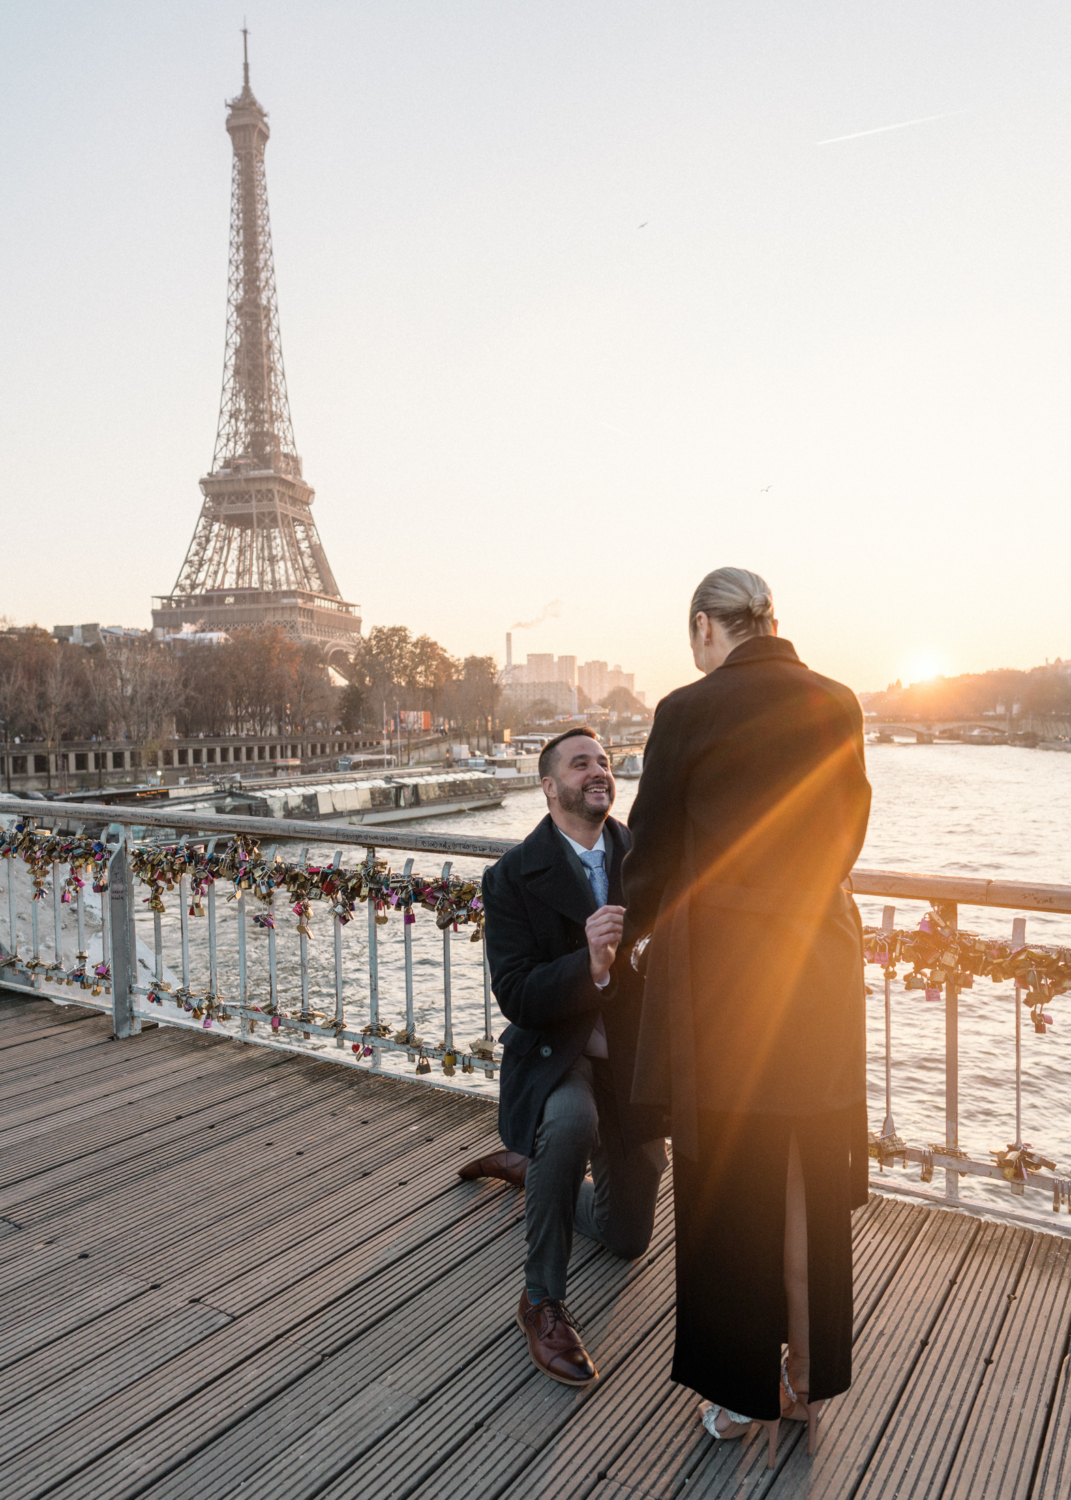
(644, 224)
(768, 487)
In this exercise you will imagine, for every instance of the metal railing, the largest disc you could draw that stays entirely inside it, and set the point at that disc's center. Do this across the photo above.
(198, 836)
(114, 981)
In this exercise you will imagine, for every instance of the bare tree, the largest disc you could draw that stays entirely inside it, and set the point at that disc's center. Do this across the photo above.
(431, 671)
(48, 683)
(147, 685)
(311, 696)
(474, 694)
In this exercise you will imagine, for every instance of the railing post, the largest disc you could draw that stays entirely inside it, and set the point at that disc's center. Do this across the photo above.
(273, 971)
(407, 947)
(949, 912)
(340, 1009)
(82, 958)
(303, 956)
(888, 924)
(373, 966)
(211, 898)
(124, 956)
(243, 984)
(57, 915)
(12, 914)
(488, 1035)
(184, 930)
(158, 949)
(1018, 941)
(35, 941)
(448, 1007)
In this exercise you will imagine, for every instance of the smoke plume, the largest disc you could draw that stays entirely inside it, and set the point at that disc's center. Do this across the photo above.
(551, 611)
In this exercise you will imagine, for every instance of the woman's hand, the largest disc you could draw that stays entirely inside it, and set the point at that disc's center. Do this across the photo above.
(604, 928)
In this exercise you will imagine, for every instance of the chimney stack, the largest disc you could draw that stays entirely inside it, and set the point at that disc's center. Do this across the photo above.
(509, 650)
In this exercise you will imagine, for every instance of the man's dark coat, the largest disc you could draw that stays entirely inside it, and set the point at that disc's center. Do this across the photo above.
(538, 899)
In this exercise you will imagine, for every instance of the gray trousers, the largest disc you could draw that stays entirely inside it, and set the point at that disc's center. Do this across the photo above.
(615, 1205)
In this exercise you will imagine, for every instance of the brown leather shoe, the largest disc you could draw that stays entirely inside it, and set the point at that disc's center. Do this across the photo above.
(510, 1166)
(554, 1343)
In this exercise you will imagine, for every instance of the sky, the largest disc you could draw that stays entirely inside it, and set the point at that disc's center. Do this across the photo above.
(579, 300)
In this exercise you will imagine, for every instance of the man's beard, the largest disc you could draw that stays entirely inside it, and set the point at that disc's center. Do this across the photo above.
(573, 800)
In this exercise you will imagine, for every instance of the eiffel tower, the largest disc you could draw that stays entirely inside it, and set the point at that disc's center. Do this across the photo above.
(256, 557)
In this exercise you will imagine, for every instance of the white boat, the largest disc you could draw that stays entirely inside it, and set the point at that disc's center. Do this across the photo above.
(382, 799)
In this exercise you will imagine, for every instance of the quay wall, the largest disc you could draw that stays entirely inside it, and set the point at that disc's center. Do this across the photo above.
(72, 765)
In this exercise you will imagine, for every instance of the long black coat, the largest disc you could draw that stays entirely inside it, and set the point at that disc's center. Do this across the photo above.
(751, 811)
(537, 900)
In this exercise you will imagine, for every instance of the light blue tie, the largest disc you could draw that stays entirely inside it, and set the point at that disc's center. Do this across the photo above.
(595, 865)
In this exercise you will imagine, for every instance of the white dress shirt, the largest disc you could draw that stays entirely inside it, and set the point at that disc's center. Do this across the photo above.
(596, 1046)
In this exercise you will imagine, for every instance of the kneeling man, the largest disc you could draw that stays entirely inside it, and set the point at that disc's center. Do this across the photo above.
(554, 922)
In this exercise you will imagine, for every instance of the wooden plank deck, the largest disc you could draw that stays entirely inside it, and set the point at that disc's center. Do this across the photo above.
(230, 1270)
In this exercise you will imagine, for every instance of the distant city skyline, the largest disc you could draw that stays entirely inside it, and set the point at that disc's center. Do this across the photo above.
(594, 678)
(555, 680)
(835, 353)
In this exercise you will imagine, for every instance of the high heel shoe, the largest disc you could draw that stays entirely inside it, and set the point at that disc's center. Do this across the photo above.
(795, 1408)
(737, 1427)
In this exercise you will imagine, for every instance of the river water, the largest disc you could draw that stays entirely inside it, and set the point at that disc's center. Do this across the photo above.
(983, 811)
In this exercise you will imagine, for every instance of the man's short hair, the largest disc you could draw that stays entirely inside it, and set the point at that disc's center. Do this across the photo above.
(549, 753)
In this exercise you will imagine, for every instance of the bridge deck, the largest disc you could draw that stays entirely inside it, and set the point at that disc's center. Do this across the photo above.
(232, 1269)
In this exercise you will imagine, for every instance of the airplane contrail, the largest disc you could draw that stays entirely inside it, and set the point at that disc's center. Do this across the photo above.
(881, 129)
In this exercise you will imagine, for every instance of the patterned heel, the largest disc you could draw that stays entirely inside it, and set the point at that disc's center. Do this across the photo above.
(737, 1426)
(795, 1408)
(771, 1452)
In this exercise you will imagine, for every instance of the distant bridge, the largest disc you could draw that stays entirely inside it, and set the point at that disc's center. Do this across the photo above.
(927, 730)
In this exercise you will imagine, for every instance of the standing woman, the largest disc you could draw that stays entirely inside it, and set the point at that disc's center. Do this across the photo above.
(750, 814)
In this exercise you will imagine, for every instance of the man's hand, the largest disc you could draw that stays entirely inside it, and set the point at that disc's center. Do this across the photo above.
(604, 928)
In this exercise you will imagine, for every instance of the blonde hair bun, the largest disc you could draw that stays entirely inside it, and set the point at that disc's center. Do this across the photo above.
(740, 599)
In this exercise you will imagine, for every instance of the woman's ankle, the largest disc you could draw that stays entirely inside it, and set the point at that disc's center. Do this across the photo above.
(798, 1368)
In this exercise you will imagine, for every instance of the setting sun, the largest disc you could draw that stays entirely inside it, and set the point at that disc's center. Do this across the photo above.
(923, 667)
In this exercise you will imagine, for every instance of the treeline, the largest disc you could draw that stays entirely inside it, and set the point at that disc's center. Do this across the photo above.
(395, 670)
(1042, 694)
(258, 682)
(137, 689)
